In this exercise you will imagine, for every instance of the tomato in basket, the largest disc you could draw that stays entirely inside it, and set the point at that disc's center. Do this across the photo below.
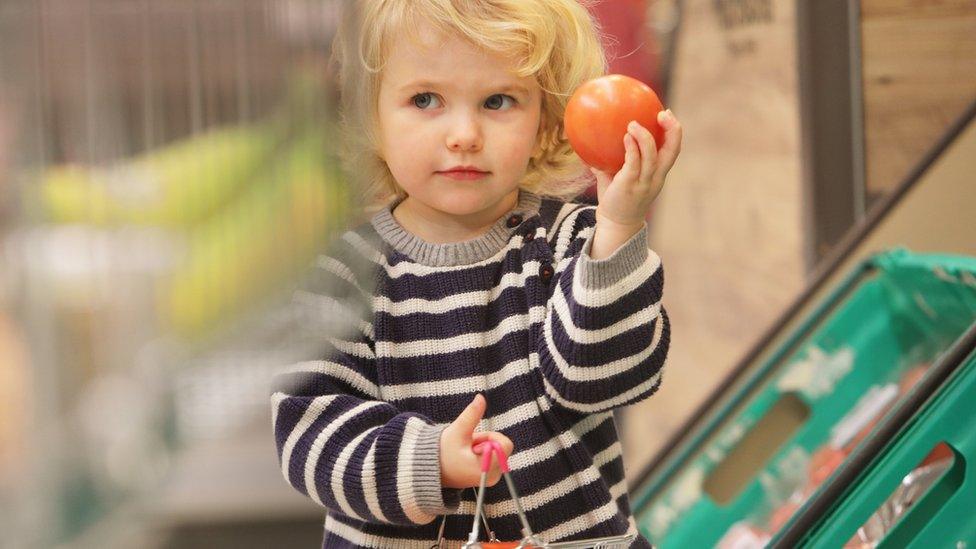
(823, 463)
(782, 515)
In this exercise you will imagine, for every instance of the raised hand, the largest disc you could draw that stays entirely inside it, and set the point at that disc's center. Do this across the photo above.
(627, 197)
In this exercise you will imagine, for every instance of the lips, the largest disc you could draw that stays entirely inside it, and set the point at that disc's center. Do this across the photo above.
(464, 172)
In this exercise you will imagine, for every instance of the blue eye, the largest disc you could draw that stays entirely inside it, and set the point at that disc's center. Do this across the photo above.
(491, 101)
(422, 104)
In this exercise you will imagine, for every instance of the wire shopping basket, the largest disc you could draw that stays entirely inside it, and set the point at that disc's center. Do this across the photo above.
(529, 539)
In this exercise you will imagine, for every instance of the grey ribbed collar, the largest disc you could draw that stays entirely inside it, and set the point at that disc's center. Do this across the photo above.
(453, 253)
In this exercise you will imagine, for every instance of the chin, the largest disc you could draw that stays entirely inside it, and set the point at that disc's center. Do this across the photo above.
(465, 201)
(460, 205)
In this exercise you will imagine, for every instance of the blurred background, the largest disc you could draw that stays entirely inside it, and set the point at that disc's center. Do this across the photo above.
(168, 175)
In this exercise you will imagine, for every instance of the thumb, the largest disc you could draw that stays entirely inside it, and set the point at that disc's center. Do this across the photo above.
(602, 179)
(468, 420)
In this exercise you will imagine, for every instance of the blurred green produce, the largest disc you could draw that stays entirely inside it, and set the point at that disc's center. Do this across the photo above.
(174, 186)
(249, 206)
(273, 229)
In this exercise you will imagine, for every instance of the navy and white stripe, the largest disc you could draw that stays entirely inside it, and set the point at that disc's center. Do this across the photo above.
(431, 325)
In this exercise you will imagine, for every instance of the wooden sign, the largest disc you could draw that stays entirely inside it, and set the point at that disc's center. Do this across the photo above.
(729, 223)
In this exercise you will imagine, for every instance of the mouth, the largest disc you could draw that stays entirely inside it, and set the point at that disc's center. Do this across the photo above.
(464, 174)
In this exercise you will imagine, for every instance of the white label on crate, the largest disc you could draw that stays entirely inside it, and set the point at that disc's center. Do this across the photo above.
(742, 536)
(867, 408)
(817, 374)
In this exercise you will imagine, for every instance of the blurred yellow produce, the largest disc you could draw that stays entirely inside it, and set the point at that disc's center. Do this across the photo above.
(273, 229)
(173, 186)
(247, 206)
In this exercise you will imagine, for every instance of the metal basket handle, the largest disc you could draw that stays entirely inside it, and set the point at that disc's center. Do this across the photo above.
(487, 449)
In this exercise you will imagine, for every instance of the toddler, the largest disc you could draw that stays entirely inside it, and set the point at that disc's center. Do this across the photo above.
(493, 306)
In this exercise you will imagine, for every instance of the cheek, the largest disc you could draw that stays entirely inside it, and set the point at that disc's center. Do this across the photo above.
(523, 140)
(402, 154)
(529, 130)
(404, 164)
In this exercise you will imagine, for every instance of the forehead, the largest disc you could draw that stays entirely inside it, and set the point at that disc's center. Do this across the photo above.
(428, 55)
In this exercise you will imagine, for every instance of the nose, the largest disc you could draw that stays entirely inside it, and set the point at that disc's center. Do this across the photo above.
(465, 133)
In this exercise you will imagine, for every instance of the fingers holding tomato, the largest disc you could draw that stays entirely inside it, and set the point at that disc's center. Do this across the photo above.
(626, 196)
(647, 149)
(645, 161)
(631, 170)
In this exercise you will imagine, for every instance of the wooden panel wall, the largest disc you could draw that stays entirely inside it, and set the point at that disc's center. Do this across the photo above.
(728, 224)
(919, 74)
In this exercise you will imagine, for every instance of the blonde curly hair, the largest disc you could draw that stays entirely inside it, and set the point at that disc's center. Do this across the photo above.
(555, 41)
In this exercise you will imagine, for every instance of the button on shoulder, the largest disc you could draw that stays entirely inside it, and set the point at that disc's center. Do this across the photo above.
(545, 272)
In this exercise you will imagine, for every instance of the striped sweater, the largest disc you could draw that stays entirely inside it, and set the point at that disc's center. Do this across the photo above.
(554, 339)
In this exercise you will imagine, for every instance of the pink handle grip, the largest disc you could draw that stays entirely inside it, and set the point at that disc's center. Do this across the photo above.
(488, 447)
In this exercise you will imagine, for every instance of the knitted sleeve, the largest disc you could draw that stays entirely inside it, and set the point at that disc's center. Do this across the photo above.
(606, 335)
(338, 442)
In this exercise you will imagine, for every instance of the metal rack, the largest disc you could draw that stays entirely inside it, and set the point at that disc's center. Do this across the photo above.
(116, 394)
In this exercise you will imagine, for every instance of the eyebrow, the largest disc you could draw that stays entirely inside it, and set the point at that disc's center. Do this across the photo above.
(430, 84)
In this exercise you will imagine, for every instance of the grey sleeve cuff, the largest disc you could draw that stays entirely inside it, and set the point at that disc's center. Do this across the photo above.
(431, 497)
(597, 274)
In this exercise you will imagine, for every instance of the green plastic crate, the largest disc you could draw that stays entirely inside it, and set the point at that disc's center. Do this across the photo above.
(944, 515)
(896, 311)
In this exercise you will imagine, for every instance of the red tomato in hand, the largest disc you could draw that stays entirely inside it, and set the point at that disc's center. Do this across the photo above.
(598, 113)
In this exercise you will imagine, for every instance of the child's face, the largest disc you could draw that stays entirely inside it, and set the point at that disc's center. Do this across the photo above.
(446, 104)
